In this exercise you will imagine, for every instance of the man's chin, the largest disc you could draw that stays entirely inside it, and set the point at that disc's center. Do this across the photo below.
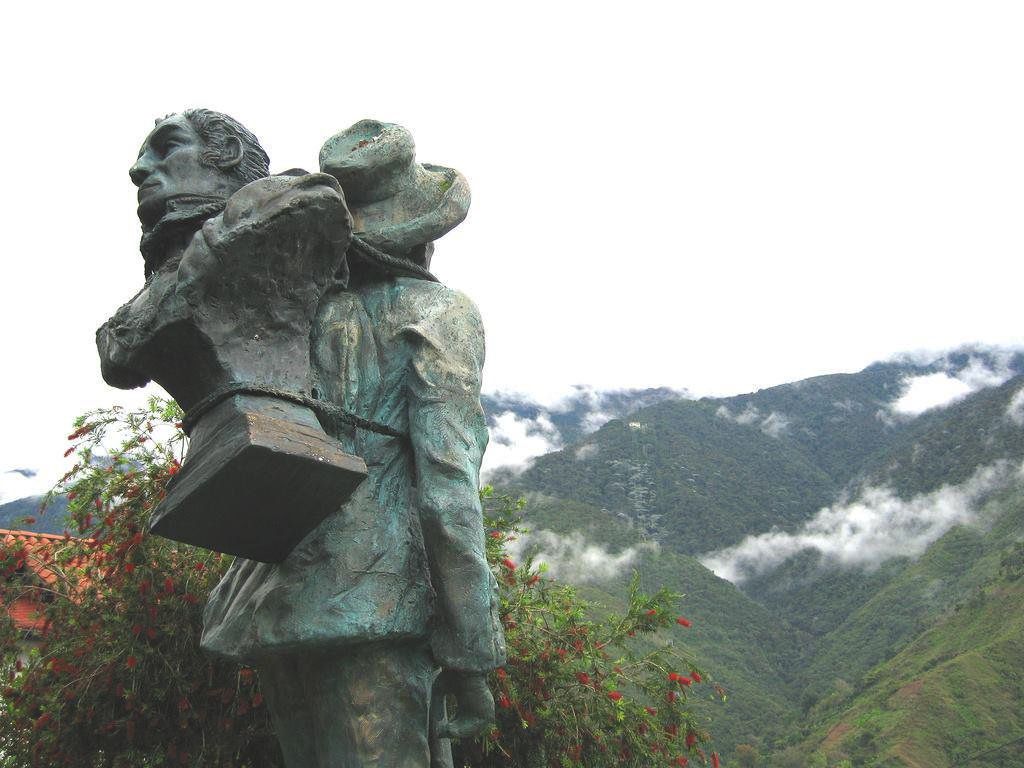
(150, 211)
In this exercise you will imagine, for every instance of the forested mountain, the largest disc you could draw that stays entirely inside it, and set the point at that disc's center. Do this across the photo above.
(703, 474)
(868, 525)
(579, 412)
(954, 694)
(25, 514)
(865, 517)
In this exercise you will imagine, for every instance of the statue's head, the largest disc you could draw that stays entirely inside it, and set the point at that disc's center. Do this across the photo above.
(197, 155)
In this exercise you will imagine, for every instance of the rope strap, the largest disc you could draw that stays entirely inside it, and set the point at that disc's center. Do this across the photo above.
(392, 265)
(320, 407)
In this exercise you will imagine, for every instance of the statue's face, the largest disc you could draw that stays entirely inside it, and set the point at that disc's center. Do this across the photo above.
(170, 166)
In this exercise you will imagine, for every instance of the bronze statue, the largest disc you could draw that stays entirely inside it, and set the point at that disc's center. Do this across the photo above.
(295, 319)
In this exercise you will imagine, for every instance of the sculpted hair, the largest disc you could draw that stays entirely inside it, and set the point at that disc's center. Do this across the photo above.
(214, 128)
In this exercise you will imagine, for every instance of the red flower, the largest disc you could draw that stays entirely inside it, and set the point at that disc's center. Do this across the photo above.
(651, 612)
(129, 567)
(507, 562)
(257, 700)
(684, 680)
(199, 567)
(682, 762)
(673, 676)
(130, 662)
(683, 621)
(151, 633)
(714, 760)
(583, 677)
(496, 534)
(504, 702)
(501, 673)
(614, 695)
(696, 677)
(651, 711)
(98, 502)
(691, 738)
(69, 451)
(169, 585)
(671, 696)
(42, 721)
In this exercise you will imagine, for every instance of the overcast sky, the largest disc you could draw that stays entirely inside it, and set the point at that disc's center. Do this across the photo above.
(720, 196)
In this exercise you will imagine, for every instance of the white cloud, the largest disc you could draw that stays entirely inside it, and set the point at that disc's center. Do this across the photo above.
(775, 424)
(594, 420)
(878, 526)
(516, 441)
(1015, 410)
(572, 558)
(937, 390)
(587, 451)
(933, 390)
(599, 407)
(20, 482)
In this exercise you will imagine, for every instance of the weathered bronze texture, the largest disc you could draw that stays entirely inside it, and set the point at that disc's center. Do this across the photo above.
(235, 274)
(275, 464)
(332, 386)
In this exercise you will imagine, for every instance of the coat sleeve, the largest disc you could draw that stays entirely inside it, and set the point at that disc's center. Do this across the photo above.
(449, 434)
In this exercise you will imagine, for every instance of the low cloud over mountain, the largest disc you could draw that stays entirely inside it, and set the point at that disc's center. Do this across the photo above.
(523, 427)
(774, 424)
(864, 533)
(574, 558)
(515, 440)
(955, 376)
(20, 482)
(1015, 411)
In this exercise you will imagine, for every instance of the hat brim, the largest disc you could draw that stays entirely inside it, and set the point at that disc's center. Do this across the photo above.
(434, 203)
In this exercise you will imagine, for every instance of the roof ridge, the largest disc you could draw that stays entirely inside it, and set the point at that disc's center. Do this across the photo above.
(18, 533)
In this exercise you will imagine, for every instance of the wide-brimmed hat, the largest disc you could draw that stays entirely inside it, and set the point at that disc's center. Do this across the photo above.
(398, 206)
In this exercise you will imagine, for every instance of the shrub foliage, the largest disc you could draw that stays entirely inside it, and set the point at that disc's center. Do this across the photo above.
(116, 677)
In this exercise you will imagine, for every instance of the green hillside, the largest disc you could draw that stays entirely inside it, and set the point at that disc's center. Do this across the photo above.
(14, 514)
(945, 446)
(951, 697)
(833, 420)
(746, 649)
(692, 479)
(950, 570)
(801, 646)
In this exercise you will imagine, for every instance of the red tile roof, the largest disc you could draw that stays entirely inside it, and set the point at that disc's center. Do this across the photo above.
(24, 612)
(36, 554)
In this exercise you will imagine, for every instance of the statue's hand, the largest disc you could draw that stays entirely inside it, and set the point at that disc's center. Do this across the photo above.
(475, 706)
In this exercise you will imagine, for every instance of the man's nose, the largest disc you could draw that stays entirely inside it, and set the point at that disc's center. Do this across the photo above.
(139, 171)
